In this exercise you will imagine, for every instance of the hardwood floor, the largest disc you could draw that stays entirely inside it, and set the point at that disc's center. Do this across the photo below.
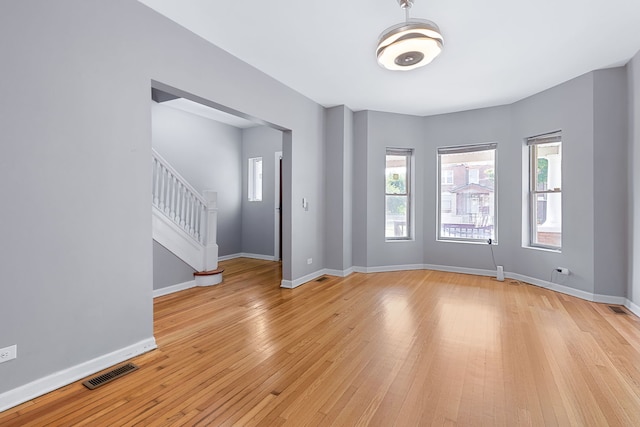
(412, 348)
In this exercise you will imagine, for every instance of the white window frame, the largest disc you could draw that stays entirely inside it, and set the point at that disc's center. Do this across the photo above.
(467, 149)
(447, 178)
(254, 179)
(533, 144)
(408, 153)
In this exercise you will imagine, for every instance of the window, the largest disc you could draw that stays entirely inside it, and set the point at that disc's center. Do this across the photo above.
(474, 176)
(255, 179)
(398, 194)
(447, 176)
(467, 204)
(545, 190)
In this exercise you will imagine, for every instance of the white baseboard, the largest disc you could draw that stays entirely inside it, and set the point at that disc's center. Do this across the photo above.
(608, 299)
(588, 296)
(338, 273)
(228, 257)
(462, 270)
(290, 284)
(247, 255)
(67, 376)
(387, 268)
(257, 256)
(174, 288)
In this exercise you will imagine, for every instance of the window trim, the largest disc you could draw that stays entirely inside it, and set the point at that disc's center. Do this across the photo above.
(532, 143)
(252, 193)
(458, 149)
(408, 153)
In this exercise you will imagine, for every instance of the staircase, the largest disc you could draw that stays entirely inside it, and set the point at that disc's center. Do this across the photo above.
(185, 222)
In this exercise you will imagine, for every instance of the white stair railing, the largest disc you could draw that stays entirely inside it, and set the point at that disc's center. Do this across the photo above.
(184, 221)
(179, 201)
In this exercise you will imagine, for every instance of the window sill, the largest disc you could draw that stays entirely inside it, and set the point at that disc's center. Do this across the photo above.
(470, 242)
(539, 248)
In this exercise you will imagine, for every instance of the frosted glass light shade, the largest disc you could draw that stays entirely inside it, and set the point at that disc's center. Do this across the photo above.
(409, 45)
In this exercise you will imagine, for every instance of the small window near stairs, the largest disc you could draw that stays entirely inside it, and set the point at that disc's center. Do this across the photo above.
(255, 179)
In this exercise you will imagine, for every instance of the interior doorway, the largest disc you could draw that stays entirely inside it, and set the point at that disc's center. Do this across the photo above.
(277, 250)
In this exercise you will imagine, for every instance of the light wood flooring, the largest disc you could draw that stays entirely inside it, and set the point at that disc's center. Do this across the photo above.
(414, 348)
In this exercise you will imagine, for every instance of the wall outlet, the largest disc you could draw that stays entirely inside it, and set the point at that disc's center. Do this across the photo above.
(8, 353)
(563, 270)
(309, 260)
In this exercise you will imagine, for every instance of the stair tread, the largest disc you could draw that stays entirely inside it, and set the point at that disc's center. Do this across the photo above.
(209, 272)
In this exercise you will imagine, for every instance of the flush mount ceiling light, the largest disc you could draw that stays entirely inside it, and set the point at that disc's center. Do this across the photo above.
(410, 44)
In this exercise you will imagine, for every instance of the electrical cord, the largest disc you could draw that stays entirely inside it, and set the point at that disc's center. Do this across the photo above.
(490, 241)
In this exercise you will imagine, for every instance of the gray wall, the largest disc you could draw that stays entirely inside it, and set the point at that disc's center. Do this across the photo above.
(633, 78)
(471, 127)
(611, 194)
(258, 218)
(591, 112)
(567, 107)
(360, 187)
(339, 187)
(76, 123)
(208, 154)
(386, 130)
(169, 270)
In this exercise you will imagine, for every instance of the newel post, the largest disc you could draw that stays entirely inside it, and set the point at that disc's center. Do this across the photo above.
(211, 246)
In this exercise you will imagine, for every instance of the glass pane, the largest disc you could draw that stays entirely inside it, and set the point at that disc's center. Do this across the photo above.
(547, 227)
(548, 171)
(258, 179)
(467, 199)
(396, 217)
(254, 189)
(396, 174)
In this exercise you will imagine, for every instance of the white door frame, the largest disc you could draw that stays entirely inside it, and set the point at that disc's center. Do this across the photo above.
(277, 213)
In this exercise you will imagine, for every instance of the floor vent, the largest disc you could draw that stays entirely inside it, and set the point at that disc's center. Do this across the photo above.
(109, 376)
(617, 310)
(322, 279)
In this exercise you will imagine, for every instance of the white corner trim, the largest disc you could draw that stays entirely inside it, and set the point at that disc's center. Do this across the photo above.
(67, 376)
(287, 284)
(633, 307)
(290, 284)
(174, 288)
(338, 273)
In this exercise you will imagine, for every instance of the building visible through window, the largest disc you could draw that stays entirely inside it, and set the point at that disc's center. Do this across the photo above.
(467, 202)
(545, 190)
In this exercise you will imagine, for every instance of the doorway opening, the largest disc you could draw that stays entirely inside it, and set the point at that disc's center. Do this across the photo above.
(210, 144)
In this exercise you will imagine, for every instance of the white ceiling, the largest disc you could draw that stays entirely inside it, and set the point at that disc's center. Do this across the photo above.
(496, 51)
